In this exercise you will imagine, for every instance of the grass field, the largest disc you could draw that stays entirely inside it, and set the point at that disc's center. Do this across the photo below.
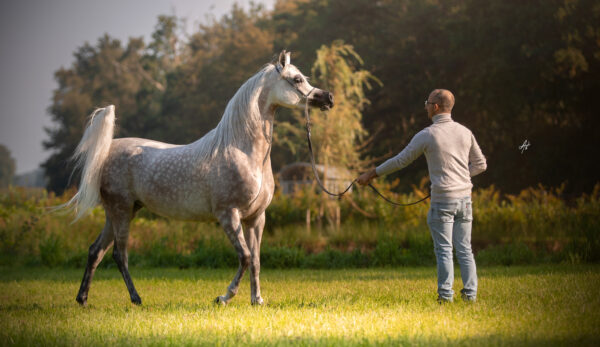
(557, 305)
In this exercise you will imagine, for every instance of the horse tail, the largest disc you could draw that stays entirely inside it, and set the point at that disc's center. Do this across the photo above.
(90, 155)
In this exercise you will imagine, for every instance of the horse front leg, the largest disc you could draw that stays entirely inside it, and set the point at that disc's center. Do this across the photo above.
(230, 220)
(255, 230)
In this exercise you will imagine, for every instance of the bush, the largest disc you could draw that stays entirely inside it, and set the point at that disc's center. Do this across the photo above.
(518, 254)
(51, 251)
(281, 258)
(214, 254)
(336, 259)
(533, 226)
(403, 252)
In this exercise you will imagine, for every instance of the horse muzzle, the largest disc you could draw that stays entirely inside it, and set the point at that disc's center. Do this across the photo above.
(322, 100)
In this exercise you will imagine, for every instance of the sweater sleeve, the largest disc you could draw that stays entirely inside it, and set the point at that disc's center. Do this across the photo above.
(412, 151)
(477, 163)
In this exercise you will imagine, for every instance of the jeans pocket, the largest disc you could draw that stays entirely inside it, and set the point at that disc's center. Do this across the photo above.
(443, 212)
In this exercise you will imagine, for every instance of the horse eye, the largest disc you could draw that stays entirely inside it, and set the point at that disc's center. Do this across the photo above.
(297, 79)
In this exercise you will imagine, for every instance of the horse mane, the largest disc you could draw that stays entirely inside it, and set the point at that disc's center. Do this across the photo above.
(239, 121)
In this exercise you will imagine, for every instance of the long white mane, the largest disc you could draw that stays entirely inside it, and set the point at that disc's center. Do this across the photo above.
(240, 119)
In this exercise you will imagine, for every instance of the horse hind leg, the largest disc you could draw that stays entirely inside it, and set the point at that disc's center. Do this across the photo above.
(233, 228)
(95, 255)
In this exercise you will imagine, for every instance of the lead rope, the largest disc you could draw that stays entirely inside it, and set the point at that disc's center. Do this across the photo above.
(314, 167)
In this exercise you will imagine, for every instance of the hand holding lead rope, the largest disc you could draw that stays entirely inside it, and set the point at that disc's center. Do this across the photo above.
(361, 180)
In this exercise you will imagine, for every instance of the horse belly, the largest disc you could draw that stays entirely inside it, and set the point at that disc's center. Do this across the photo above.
(181, 207)
(175, 196)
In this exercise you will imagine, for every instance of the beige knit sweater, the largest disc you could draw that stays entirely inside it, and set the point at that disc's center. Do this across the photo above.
(453, 157)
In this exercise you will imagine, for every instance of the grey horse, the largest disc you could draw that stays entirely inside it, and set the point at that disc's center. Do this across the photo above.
(226, 174)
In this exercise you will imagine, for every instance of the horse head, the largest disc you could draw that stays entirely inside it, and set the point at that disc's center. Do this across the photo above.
(292, 89)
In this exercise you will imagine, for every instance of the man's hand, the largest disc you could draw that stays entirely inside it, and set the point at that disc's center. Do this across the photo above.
(365, 178)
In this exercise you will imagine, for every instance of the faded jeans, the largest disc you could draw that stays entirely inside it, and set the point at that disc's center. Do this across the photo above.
(450, 224)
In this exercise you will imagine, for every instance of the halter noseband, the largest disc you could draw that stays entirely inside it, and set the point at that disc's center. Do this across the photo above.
(278, 68)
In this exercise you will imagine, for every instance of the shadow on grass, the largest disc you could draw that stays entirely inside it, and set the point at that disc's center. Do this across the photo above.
(234, 340)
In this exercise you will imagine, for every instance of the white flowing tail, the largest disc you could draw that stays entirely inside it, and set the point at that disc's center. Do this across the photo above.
(90, 155)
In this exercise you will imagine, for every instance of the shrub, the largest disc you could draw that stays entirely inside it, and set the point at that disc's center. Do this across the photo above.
(51, 251)
(517, 254)
(281, 257)
(535, 225)
(336, 259)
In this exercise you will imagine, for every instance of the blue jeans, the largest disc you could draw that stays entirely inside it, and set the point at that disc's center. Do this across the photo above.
(450, 223)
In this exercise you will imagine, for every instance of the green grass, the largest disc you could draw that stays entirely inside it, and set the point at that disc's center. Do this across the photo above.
(557, 305)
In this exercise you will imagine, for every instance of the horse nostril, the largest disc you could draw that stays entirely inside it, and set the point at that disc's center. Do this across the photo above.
(330, 97)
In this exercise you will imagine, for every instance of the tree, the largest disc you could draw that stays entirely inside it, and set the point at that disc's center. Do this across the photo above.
(97, 78)
(338, 134)
(132, 78)
(218, 59)
(340, 131)
(7, 167)
(519, 70)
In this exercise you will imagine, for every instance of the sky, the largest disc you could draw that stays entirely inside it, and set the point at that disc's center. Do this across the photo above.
(37, 37)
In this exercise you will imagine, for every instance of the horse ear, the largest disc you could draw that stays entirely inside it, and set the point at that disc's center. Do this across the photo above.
(283, 58)
(287, 57)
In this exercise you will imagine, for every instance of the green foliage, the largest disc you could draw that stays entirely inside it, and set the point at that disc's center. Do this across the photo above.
(52, 251)
(338, 135)
(336, 259)
(213, 255)
(409, 251)
(531, 227)
(216, 61)
(282, 257)
(511, 254)
(132, 78)
(519, 70)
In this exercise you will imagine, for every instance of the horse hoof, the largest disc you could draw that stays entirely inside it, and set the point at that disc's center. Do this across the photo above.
(81, 300)
(136, 300)
(220, 300)
(258, 301)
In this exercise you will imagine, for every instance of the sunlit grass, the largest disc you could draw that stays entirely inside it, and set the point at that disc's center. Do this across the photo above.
(519, 305)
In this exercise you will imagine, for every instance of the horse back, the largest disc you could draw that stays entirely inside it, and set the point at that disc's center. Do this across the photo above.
(157, 175)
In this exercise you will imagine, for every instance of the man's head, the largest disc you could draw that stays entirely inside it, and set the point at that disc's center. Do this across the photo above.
(439, 101)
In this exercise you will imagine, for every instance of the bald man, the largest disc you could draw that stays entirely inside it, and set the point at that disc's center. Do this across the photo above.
(453, 157)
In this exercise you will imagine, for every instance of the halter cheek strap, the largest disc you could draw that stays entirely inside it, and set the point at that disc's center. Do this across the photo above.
(279, 68)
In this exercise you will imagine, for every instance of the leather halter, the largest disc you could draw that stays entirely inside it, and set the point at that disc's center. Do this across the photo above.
(278, 68)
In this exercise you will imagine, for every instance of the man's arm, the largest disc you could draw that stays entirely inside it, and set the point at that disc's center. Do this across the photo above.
(411, 152)
(477, 163)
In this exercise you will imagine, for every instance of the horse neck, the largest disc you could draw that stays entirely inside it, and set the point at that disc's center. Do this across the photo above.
(259, 145)
(252, 109)
(247, 124)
